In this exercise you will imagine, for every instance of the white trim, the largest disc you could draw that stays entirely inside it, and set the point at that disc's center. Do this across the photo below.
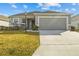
(67, 25)
(38, 20)
(52, 16)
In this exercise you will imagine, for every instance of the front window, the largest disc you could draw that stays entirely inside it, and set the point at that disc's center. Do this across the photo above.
(16, 21)
(23, 20)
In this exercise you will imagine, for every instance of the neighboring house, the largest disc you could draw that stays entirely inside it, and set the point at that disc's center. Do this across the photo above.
(49, 20)
(4, 21)
(75, 21)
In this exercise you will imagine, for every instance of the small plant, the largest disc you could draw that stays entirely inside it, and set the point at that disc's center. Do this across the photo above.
(16, 28)
(34, 27)
(1, 27)
(72, 28)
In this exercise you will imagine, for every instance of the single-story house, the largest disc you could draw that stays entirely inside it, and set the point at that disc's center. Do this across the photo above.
(4, 21)
(75, 21)
(48, 20)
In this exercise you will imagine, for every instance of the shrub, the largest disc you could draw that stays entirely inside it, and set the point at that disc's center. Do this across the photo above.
(16, 27)
(34, 27)
(1, 27)
(4, 28)
(72, 28)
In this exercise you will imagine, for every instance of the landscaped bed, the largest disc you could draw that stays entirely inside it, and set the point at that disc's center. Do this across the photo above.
(77, 30)
(17, 43)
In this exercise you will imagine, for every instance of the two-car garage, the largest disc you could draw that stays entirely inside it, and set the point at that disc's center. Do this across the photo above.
(52, 23)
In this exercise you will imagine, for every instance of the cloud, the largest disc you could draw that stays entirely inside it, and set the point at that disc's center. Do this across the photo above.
(43, 6)
(4, 14)
(66, 9)
(40, 4)
(25, 6)
(49, 4)
(74, 3)
(14, 6)
(46, 6)
(54, 4)
(26, 9)
(73, 9)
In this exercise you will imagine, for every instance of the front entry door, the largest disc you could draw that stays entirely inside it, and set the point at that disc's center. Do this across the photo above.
(29, 24)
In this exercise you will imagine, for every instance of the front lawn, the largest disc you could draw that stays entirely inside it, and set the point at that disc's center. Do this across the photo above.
(18, 43)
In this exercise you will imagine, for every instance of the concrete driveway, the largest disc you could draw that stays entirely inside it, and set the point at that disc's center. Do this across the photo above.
(58, 37)
(58, 42)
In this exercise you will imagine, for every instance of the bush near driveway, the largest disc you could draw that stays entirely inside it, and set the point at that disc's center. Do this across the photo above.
(73, 28)
(17, 43)
(77, 30)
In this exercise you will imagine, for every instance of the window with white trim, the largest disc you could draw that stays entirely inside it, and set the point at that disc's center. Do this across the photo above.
(16, 21)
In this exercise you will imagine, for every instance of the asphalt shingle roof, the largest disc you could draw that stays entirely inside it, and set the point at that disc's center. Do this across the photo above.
(32, 13)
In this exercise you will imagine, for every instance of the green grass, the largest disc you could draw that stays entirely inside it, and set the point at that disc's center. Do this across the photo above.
(16, 43)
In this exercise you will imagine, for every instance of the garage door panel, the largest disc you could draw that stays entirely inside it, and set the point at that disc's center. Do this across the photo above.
(52, 23)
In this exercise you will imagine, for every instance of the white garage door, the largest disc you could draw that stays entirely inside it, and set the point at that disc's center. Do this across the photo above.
(52, 23)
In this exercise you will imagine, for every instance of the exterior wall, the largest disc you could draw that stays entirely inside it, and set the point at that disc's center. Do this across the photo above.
(38, 15)
(4, 23)
(75, 22)
(19, 20)
(68, 21)
(13, 21)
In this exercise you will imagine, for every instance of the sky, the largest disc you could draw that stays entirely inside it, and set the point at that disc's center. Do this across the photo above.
(15, 8)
